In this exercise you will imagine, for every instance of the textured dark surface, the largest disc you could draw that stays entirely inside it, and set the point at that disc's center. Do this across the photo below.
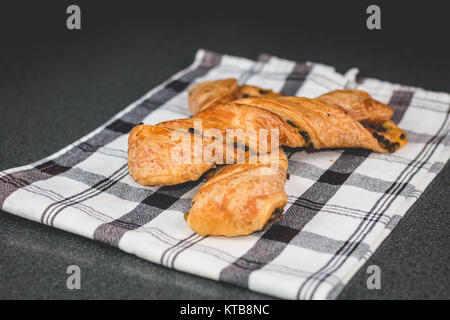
(56, 86)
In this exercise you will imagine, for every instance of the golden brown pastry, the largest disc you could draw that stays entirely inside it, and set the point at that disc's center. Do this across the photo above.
(325, 125)
(358, 104)
(162, 156)
(150, 159)
(373, 115)
(246, 91)
(248, 194)
(299, 122)
(251, 119)
(211, 93)
(240, 199)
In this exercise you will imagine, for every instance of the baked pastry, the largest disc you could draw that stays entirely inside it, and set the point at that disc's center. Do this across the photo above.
(246, 91)
(247, 193)
(210, 93)
(325, 125)
(150, 158)
(358, 104)
(359, 122)
(241, 198)
(160, 155)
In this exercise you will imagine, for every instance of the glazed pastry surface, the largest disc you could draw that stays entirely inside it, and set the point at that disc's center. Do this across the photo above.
(338, 119)
(210, 93)
(240, 199)
(358, 104)
(150, 161)
(162, 156)
(246, 193)
(323, 125)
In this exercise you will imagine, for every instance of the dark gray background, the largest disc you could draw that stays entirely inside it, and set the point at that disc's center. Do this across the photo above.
(57, 85)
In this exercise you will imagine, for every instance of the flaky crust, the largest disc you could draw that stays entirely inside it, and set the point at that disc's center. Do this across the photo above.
(358, 104)
(243, 197)
(356, 122)
(239, 199)
(209, 93)
(150, 161)
(160, 155)
(246, 91)
(322, 125)
(251, 118)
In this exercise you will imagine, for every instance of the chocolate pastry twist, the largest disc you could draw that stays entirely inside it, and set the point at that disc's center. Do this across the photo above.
(241, 197)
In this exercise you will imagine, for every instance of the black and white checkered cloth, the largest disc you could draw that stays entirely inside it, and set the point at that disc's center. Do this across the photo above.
(342, 203)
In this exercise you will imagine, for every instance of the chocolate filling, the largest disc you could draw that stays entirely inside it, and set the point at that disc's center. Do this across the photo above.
(382, 141)
(374, 126)
(235, 145)
(291, 124)
(309, 145)
(305, 136)
(385, 143)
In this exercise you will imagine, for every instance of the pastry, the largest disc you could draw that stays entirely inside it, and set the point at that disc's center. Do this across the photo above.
(258, 125)
(240, 199)
(210, 93)
(246, 193)
(163, 156)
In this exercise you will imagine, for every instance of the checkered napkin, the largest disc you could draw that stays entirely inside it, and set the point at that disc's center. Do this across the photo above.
(342, 203)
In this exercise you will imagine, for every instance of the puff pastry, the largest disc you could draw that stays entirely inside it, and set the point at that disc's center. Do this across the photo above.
(240, 199)
(245, 196)
(325, 125)
(160, 155)
(210, 93)
(359, 122)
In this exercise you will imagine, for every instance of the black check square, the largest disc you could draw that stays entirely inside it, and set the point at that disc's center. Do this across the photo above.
(280, 233)
(178, 85)
(52, 168)
(333, 177)
(160, 200)
(120, 126)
